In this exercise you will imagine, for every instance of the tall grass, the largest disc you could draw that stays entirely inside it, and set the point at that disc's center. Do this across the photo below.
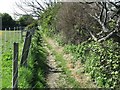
(34, 75)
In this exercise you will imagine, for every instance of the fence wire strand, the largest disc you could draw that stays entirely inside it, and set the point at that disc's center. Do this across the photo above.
(23, 62)
(16, 70)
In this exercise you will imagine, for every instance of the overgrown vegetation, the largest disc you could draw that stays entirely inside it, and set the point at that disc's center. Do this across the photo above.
(6, 70)
(7, 56)
(34, 75)
(90, 31)
(47, 23)
(62, 63)
(81, 33)
(101, 60)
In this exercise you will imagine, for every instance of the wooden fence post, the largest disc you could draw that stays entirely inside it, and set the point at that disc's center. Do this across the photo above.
(26, 49)
(15, 67)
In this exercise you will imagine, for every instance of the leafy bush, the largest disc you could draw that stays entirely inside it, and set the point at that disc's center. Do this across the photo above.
(34, 75)
(38, 62)
(101, 61)
(32, 25)
(48, 20)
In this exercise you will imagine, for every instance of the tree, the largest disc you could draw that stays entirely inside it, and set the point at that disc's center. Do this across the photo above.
(7, 21)
(34, 7)
(107, 14)
(72, 20)
(25, 20)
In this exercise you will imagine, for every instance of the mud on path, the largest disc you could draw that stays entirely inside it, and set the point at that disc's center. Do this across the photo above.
(56, 79)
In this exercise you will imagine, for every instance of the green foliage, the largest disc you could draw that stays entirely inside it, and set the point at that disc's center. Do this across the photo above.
(25, 76)
(101, 61)
(112, 24)
(25, 20)
(59, 39)
(7, 21)
(32, 25)
(38, 62)
(7, 55)
(6, 70)
(47, 20)
(34, 75)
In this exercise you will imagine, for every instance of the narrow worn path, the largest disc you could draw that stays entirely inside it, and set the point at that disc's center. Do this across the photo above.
(77, 69)
(54, 72)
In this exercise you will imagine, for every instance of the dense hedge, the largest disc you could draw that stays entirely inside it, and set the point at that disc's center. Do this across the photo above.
(101, 60)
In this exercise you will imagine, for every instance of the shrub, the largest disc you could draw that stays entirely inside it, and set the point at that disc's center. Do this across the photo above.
(72, 21)
(34, 75)
(101, 61)
(47, 21)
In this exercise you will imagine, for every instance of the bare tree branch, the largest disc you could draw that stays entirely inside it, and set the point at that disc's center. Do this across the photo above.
(33, 8)
(99, 21)
(103, 18)
(106, 37)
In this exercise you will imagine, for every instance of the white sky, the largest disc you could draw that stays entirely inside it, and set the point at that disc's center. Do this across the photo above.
(7, 6)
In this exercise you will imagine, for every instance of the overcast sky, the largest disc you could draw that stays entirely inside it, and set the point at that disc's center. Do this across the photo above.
(7, 6)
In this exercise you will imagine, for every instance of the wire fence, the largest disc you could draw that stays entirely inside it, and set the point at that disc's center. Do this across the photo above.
(0, 60)
(8, 38)
(14, 38)
(23, 61)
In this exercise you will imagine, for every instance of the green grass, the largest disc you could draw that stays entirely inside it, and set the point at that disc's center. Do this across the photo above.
(8, 37)
(6, 47)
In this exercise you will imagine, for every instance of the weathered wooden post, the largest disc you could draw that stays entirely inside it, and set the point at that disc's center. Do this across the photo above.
(26, 49)
(15, 67)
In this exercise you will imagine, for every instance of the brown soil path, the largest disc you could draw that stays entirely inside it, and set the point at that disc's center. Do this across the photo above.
(52, 77)
(77, 69)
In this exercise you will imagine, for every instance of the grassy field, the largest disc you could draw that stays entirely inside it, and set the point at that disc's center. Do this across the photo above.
(7, 38)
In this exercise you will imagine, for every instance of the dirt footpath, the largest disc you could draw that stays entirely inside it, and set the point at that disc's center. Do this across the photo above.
(77, 69)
